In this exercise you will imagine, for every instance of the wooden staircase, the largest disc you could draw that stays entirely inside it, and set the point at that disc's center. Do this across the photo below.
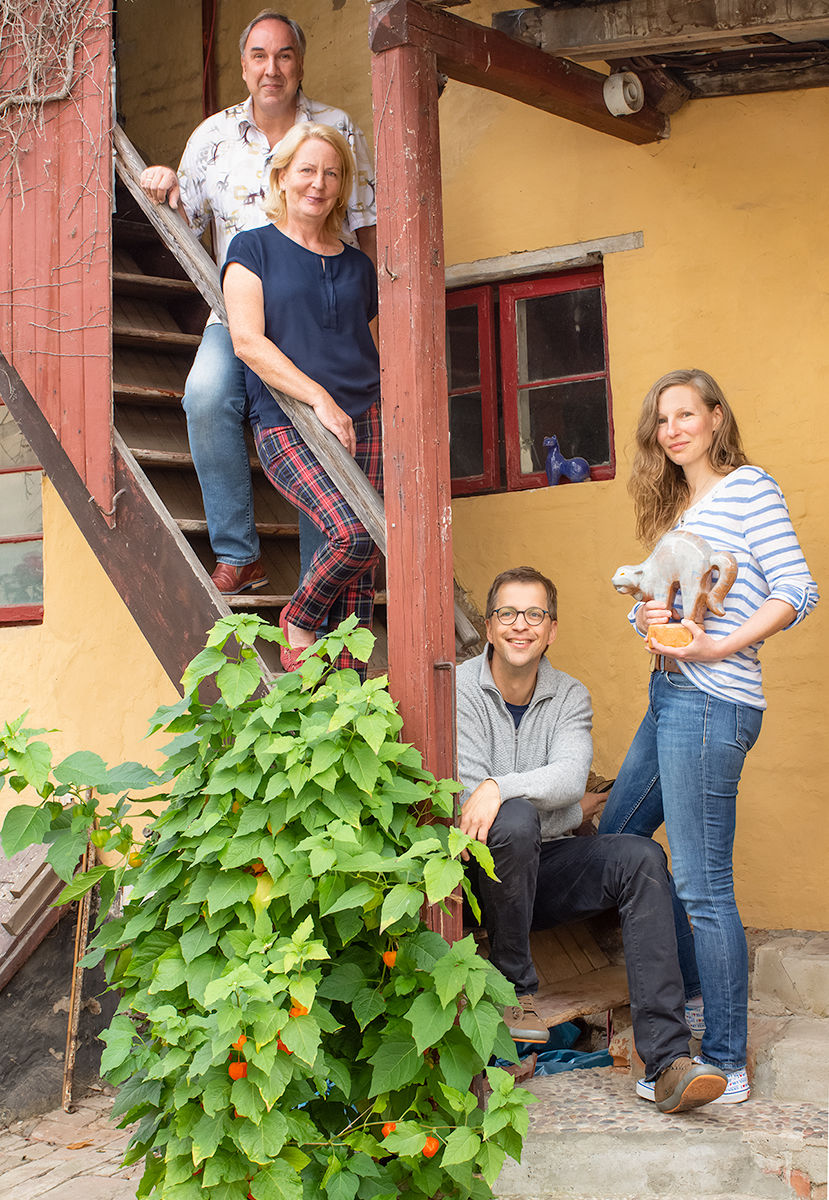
(158, 318)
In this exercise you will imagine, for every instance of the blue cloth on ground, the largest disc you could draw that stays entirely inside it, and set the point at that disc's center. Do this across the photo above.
(556, 1056)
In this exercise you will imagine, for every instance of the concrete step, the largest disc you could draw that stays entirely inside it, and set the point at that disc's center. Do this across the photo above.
(788, 1058)
(591, 1137)
(791, 975)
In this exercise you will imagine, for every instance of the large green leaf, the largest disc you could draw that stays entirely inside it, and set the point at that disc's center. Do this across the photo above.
(277, 1181)
(462, 1145)
(430, 1020)
(65, 852)
(263, 1142)
(441, 876)
(481, 1025)
(82, 884)
(229, 889)
(24, 826)
(396, 1063)
(402, 901)
(33, 764)
(83, 769)
(362, 765)
(238, 681)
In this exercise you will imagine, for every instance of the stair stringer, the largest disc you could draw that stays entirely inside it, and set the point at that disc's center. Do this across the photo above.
(145, 555)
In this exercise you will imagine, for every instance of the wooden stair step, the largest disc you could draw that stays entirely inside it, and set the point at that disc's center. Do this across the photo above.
(129, 283)
(173, 458)
(152, 339)
(263, 528)
(259, 600)
(134, 233)
(128, 393)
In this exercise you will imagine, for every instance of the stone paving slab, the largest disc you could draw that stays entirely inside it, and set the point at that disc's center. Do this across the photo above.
(37, 1161)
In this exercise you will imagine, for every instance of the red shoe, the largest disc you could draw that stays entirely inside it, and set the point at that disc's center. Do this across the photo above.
(289, 658)
(230, 580)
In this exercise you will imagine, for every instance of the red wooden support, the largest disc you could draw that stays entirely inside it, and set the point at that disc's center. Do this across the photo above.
(415, 409)
(490, 59)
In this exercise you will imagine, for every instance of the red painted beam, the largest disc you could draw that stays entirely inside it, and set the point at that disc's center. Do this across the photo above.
(415, 409)
(490, 59)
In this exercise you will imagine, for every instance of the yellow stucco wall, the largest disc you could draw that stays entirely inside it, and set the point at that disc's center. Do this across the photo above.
(87, 671)
(730, 279)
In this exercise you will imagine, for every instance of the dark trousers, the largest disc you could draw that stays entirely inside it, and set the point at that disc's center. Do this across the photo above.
(550, 883)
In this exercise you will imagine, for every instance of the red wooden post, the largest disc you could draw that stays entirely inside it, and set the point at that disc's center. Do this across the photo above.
(415, 408)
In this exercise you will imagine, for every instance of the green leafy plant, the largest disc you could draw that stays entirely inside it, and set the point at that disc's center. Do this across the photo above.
(289, 1027)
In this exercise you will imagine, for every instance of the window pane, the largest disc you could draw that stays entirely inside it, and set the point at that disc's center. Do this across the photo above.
(560, 335)
(575, 412)
(14, 449)
(21, 573)
(466, 436)
(20, 503)
(462, 357)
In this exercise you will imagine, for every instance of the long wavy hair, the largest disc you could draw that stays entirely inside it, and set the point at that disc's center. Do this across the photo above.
(305, 131)
(658, 486)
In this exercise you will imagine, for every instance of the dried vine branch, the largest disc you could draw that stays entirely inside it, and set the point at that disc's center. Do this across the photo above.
(40, 62)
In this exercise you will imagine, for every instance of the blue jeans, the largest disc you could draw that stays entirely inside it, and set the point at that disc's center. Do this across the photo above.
(215, 405)
(683, 768)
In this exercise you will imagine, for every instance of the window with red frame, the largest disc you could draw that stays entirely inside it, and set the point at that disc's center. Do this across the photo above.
(21, 528)
(527, 360)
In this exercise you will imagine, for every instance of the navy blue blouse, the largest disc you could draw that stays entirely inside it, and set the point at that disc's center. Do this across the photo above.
(317, 311)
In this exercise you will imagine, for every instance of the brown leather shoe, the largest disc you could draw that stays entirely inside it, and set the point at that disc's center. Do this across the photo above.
(230, 580)
(686, 1084)
(524, 1023)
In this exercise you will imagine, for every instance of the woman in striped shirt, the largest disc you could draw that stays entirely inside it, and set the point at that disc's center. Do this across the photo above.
(706, 700)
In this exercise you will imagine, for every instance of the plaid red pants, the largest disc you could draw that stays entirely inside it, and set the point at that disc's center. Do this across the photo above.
(340, 578)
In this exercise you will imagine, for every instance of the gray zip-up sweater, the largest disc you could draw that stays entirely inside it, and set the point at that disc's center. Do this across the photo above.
(545, 760)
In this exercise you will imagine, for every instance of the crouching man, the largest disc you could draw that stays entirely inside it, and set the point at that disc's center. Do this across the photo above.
(524, 751)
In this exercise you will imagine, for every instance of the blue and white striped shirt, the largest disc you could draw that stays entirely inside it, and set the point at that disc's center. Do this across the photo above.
(746, 514)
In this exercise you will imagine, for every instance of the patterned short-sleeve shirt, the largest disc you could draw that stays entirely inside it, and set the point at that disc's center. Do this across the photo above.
(224, 171)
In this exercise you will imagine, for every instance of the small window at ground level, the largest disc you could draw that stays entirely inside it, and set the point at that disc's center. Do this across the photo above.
(528, 362)
(21, 527)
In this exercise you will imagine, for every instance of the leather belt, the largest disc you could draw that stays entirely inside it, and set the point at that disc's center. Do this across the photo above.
(662, 662)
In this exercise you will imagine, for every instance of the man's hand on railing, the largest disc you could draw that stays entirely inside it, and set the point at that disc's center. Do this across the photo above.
(160, 184)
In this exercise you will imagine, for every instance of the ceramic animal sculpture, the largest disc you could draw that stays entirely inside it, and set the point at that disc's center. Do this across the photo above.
(575, 469)
(681, 560)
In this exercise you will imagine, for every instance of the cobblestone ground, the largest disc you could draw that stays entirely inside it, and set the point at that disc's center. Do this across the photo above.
(67, 1156)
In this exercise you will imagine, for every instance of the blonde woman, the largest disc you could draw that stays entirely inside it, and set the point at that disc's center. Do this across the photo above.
(706, 699)
(302, 309)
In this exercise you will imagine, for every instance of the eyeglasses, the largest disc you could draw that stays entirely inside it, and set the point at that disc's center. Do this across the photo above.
(507, 615)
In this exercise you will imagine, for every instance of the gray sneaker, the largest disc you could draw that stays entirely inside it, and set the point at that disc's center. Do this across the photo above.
(524, 1023)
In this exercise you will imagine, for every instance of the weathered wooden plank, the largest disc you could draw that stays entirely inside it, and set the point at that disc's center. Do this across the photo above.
(535, 262)
(781, 77)
(586, 32)
(490, 59)
(155, 339)
(582, 995)
(157, 287)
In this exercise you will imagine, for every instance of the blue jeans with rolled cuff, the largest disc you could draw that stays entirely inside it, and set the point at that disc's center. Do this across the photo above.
(683, 768)
(216, 406)
(549, 883)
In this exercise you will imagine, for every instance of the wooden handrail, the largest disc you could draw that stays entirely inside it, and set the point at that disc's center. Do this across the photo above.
(180, 240)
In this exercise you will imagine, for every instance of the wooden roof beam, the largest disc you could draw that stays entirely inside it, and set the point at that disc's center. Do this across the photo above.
(490, 59)
(646, 27)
